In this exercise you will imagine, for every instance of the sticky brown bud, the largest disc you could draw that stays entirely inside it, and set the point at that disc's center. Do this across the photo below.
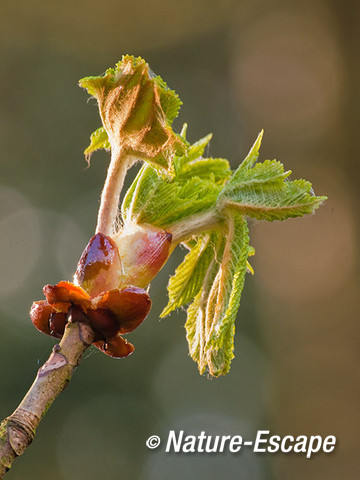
(103, 322)
(40, 314)
(58, 322)
(99, 267)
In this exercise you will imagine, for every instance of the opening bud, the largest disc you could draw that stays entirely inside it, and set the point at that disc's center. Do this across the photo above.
(144, 250)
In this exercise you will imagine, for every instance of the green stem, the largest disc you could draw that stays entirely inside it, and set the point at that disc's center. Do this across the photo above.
(193, 225)
(18, 430)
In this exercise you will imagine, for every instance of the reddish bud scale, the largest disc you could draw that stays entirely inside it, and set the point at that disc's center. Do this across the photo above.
(143, 249)
(107, 292)
(57, 324)
(103, 322)
(40, 314)
(110, 314)
(99, 267)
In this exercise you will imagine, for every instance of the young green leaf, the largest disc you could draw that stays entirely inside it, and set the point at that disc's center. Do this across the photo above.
(169, 100)
(215, 169)
(211, 317)
(262, 190)
(195, 151)
(190, 274)
(196, 316)
(98, 139)
(172, 202)
(274, 201)
(140, 193)
(249, 160)
(193, 190)
(204, 197)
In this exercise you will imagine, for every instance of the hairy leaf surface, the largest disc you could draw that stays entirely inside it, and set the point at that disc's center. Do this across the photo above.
(137, 109)
(262, 190)
(274, 202)
(210, 324)
(190, 274)
(194, 189)
(98, 139)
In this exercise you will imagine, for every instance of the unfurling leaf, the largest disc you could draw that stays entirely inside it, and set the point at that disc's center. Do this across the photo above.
(274, 202)
(137, 110)
(193, 190)
(205, 195)
(194, 152)
(98, 139)
(190, 274)
(210, 324)
(262, 190)
(173, 202)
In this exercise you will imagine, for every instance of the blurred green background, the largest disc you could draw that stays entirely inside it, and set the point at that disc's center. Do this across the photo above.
(291, 68)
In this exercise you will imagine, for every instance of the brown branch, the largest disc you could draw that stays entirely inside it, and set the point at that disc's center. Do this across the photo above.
(18, 430)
